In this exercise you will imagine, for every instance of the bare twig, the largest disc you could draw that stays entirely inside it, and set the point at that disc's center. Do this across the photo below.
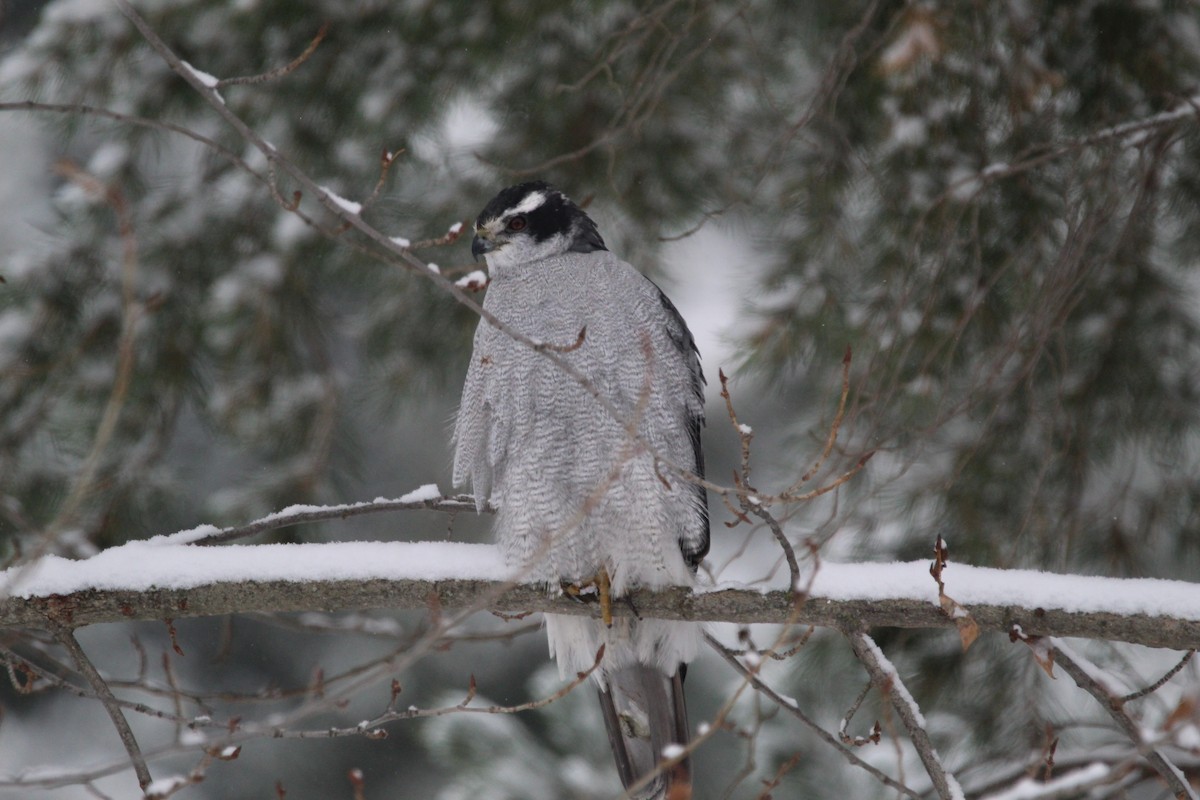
(300, 515)
(747, 496)
(831, 439)
(789, 553)
(1037, 155)
(1158, 684)
(887, 679)
(278, 72)
(1074, 665)
(790, 707)
(858, 741)
(372, 728)
(66, 637)
(129, 119)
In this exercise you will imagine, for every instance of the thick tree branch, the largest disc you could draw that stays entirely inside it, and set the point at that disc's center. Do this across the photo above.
(728, 605)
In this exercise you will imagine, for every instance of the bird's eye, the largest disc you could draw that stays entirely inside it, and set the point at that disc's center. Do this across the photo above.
(517, 224)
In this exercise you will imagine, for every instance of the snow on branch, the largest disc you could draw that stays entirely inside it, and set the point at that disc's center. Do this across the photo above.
(158, 579)
(887, 679)
(1092, 679)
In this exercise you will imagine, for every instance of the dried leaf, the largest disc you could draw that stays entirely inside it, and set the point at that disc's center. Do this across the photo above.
(968, 628)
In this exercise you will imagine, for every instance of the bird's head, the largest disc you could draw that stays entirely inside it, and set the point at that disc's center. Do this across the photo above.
(529, 222)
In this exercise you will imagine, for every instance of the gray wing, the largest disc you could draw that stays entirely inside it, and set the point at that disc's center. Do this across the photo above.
(695, 543)
(472, 429)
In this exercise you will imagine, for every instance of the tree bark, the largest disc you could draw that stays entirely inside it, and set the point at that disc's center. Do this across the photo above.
(725, 605)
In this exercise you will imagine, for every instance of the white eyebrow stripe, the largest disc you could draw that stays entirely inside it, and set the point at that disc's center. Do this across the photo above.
(531, 201)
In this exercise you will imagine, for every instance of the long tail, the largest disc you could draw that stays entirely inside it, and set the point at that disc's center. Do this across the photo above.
(644, 712)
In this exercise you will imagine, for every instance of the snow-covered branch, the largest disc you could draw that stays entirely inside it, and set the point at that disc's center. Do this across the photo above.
(1093, 680)
(159, 579)
(887, 679)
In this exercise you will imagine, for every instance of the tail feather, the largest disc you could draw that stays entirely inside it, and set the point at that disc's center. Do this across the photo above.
(644, 712)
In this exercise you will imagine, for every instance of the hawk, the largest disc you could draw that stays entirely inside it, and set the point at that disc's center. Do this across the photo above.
(586, 475)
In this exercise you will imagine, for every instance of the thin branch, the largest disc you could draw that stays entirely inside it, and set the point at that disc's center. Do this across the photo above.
(66, 636)
(831, 439)
(300, 515)
(1038, 155)
(49, 680)
(858, 741)
(887, 679)
(789, 553)
(1158, 684)
(790, 707)
(131, 313)
(748, 497)
(278, 72)
(372, 728)
(1074, 665)
(129, 119)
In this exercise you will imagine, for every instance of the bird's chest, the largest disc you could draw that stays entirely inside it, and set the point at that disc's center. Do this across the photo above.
(532, 401)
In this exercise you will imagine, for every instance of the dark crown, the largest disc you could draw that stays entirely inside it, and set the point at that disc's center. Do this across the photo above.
(555, 215)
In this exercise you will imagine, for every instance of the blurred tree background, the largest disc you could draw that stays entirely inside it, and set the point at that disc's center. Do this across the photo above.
(994, 204)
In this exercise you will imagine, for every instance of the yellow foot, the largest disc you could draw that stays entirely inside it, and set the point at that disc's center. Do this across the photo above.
(605, 588)
(600, 586)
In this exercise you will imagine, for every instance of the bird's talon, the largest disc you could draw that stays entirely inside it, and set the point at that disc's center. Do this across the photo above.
(583, 592)
(604, 587)
(593, 590)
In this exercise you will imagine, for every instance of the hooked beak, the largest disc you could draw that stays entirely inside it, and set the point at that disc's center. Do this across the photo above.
(481, 245)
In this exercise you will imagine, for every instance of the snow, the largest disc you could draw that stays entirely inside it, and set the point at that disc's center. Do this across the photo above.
(1028, 588)
(422, 494)
(476, 279)
(140, 566)
(289, 230)
(1061, 786)
(910, 132)
(76, 11)
(455, 229)
(898, 687)
(192, 738)
(346, 205)
(108, 159)
(401, 242)
(209, 81)
(673, 751)
(1109, 682)
(169, 562)
(745, 429)
(166, 786)
(434, 268)
(429, 491)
